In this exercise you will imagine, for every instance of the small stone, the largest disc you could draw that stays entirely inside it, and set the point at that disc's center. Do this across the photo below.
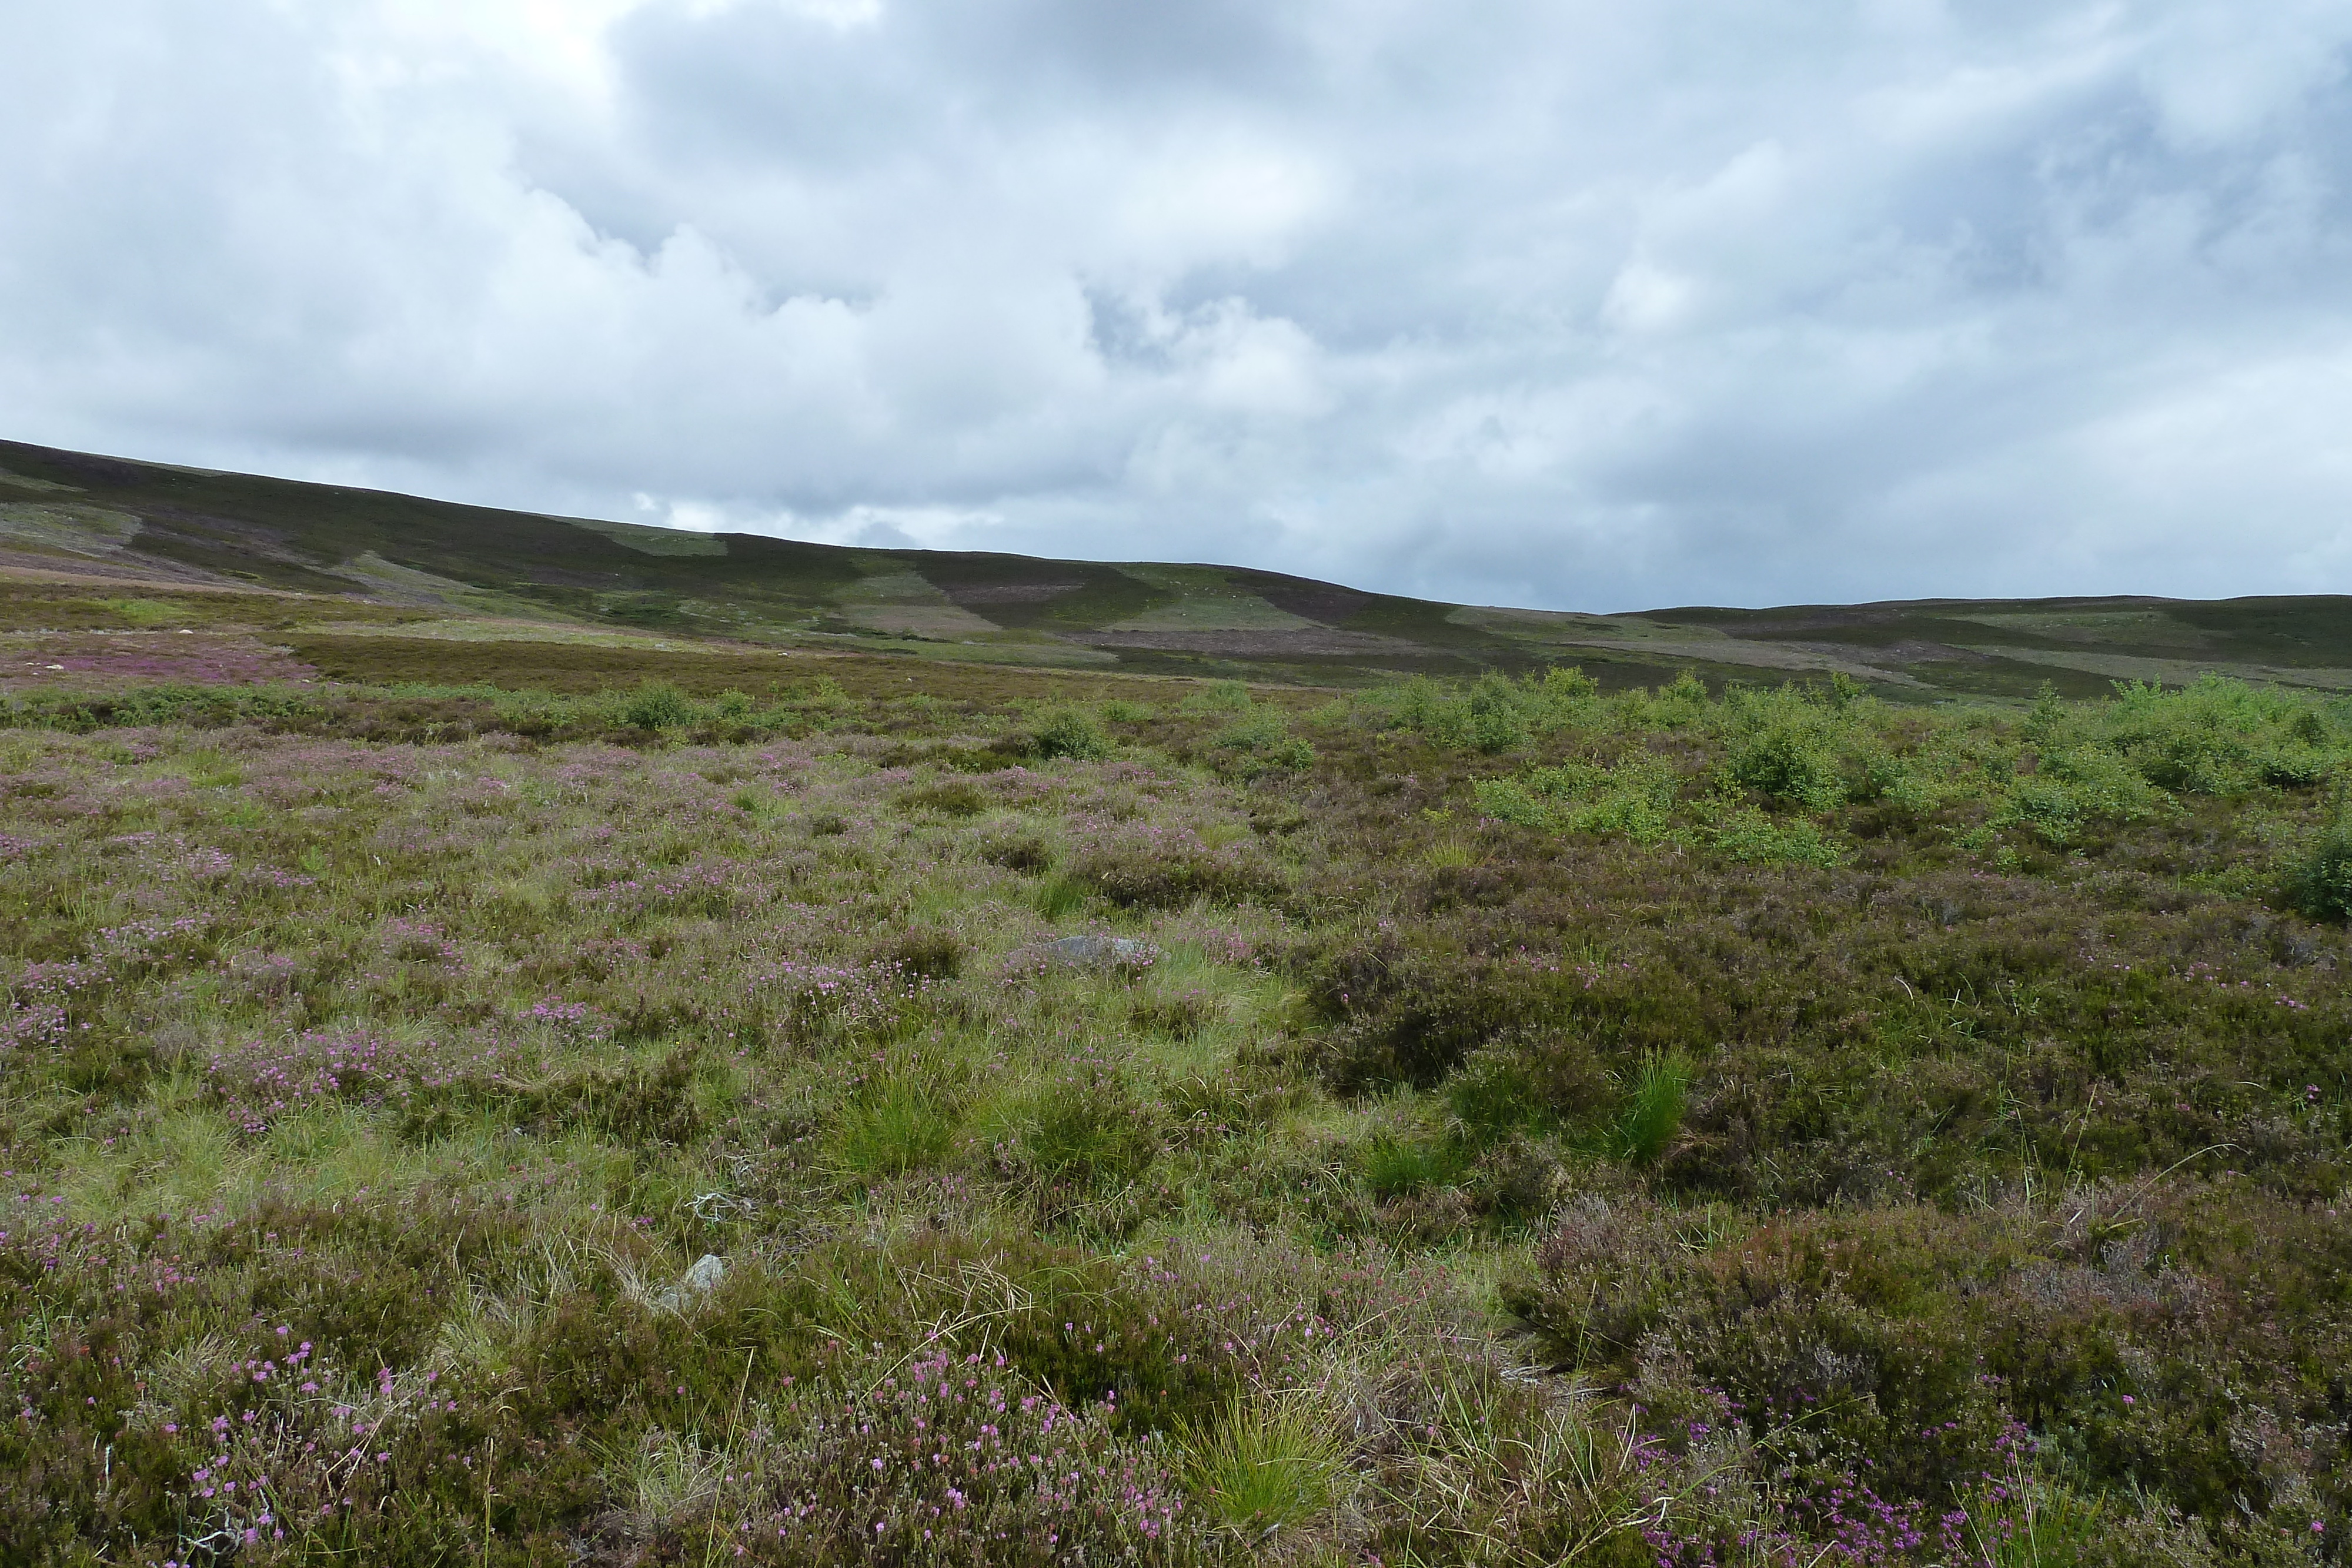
(704, 1277)
(1095, 948)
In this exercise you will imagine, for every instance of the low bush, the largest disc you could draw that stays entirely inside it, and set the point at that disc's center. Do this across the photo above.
(2319, 884)
(1153, 867)
(933, 1457)
(1921, 1350)
(1070, 732)
(1789, 763)
(1260, 743)
(952, 798)
(659, 704)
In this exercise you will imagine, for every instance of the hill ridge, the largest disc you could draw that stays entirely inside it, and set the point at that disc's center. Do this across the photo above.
(184, 528)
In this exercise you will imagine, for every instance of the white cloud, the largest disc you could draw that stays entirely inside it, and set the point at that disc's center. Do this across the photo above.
(1580, 304)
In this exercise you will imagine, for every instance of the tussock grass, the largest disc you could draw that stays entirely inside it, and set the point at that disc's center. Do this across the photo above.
(1265, 1465)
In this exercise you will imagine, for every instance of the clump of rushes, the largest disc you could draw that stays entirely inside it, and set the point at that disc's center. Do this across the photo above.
(899, 1128)
(1266, 1464)
(1399, 1166)
(1654, 1110)
(1059, 897)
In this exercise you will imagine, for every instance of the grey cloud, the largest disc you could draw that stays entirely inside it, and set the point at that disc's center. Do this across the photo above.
(1593, 305)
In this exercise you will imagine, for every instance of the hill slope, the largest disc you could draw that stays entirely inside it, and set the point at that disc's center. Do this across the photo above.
(355, 554)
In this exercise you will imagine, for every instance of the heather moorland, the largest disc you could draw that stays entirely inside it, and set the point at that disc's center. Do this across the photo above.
(908, 1113)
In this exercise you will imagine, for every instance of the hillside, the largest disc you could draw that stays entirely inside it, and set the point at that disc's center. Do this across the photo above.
(387, 586)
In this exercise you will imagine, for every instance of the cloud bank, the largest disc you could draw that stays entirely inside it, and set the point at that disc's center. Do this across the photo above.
(1581, 304)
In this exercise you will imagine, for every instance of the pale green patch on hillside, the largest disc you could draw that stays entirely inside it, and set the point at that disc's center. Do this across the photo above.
(1209, 603)
(653, 541)
(78, 530)
(906, 603)
(405, 585)
(2143, 628)
(2172, 672)
(42, 487)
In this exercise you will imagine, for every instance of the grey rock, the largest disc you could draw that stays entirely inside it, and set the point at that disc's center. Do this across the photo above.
(699, 1281)
(1094, 949)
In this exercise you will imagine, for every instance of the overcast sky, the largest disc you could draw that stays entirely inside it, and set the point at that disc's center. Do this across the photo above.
(1554, 302)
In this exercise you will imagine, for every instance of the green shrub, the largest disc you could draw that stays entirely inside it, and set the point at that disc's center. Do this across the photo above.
(1751, 837)
(1291, 755)
(1789, 764)
(659, 704)
(2295, 766)
(1634, 798)
(2216, 737)
(2091, 785)
(1071, 732)
(1496, 722)
(2319, 885)
(1263, 742)
(1218, 696)
(1493, 713)
(1509, 800)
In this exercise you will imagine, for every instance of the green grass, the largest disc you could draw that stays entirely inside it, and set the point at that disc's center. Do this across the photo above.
(903, 1129)
(1654, 1109)
(1265, 1467)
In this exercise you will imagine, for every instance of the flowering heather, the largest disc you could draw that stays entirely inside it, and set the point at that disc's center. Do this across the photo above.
(111, 658)
(942, 1458)
(1510, 1125)
(258, 1083)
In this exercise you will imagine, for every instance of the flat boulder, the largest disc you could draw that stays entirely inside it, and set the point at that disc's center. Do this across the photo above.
(1095, 950)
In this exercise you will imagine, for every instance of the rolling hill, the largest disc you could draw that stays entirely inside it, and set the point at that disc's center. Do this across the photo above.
(361, 582)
